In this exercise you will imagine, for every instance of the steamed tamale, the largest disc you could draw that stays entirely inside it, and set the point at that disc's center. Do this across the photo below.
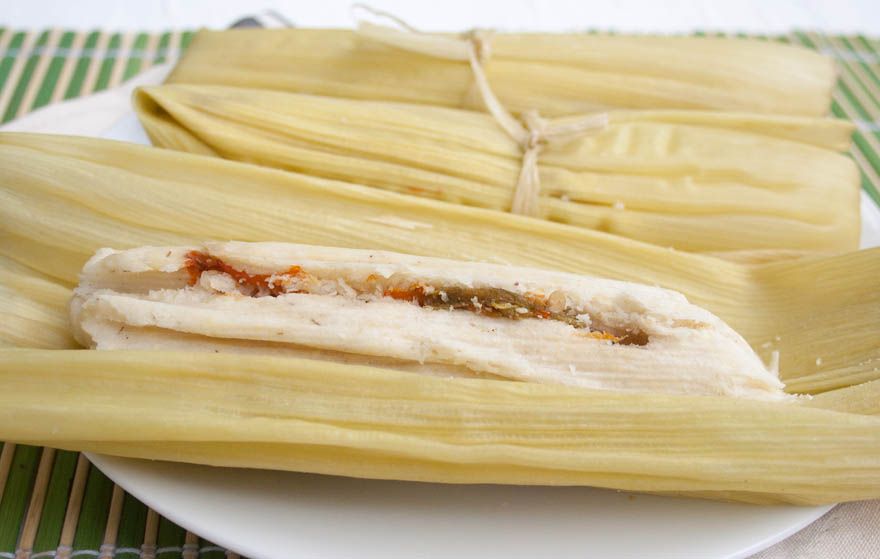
(555, 74)
(64, 198)
(695, 181)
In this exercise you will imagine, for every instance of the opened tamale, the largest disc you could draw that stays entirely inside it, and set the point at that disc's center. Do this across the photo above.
(555, 74)
(63, 198)
(423, 315)
(692, 180)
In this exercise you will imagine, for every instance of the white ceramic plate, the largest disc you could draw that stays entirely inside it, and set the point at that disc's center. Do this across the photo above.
(276, 515)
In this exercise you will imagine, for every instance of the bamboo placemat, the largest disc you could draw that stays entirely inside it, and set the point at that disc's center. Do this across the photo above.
(53, 503)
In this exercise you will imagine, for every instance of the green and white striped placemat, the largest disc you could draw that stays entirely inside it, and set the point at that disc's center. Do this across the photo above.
(856, 97)
(52, 502)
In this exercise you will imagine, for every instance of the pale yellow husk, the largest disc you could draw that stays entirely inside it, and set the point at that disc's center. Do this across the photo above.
(31, 308)
(305, 415)
(555, 74)
(861, 398)
(695, 181)
(61, 198)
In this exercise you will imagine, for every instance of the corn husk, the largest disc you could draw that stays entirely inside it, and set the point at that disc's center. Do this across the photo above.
(62, 198)
(555, 74)
(861, 399)
(32, 308)
(282, 413)
(695, 181)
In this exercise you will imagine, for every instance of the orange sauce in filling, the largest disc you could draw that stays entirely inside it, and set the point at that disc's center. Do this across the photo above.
(198, 262)
(415, 293)
(600, 336)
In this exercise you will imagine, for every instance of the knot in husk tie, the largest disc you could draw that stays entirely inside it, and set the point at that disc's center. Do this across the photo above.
(475, 47)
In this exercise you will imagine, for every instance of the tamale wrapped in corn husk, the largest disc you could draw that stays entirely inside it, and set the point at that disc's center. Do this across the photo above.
(62, 198)
(695, 181)
(555, 74)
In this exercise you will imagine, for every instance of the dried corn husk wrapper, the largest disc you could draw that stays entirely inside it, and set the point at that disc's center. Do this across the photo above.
(30, 307)
(282, 413)
(61, 198)
(555, 74)
(695, 181)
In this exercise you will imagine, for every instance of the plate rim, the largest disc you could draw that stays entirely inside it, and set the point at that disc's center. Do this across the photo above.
(103, 463)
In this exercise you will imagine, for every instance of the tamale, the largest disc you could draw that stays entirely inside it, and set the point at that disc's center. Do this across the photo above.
(63, 198)
(555, 74)
(695, 181)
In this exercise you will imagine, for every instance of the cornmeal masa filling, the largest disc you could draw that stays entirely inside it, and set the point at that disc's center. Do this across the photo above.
(413, 314)
(489, 301)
